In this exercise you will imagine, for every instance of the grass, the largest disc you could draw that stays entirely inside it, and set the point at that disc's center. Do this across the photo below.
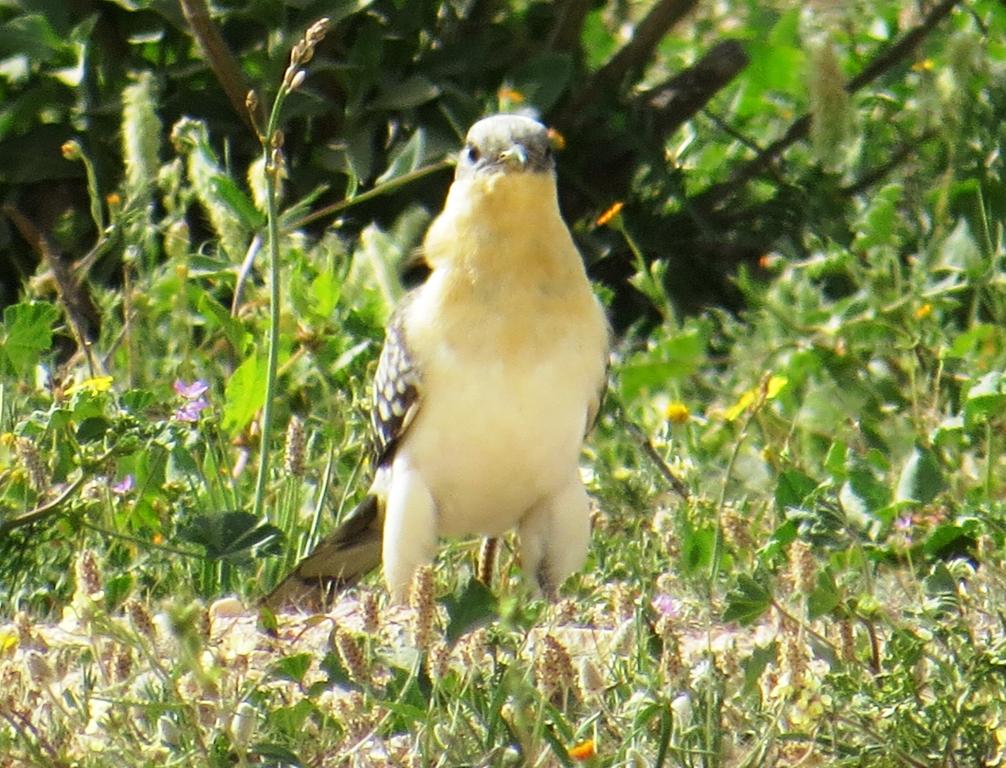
(798, 551)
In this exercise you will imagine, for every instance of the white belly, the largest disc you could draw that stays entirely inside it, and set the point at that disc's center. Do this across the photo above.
(502, 441)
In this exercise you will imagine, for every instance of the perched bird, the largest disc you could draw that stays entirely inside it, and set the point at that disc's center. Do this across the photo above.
(490, 377)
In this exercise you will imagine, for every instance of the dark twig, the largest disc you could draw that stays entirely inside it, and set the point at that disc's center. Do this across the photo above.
(218, 55)
(881, 172)
(629, 59)
(42, 511)
(679, 98)
(658, 461)
(801, 126)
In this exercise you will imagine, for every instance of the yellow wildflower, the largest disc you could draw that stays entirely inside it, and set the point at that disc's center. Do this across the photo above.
(610, 214)
(767, 390)
(583, 751)
(677, 412)
(95, 384)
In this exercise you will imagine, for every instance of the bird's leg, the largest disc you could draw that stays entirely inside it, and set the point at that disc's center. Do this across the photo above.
(555, 534)
(487, 560)
(410, 529)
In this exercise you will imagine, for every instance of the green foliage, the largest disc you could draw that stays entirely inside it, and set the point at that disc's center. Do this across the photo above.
(800, 544)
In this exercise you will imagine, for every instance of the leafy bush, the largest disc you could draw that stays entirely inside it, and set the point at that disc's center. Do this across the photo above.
(799, 542)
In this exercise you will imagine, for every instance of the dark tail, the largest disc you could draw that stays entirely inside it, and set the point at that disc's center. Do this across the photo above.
(340, 559)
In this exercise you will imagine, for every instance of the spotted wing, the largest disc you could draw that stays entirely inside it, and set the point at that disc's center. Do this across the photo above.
(396, 392)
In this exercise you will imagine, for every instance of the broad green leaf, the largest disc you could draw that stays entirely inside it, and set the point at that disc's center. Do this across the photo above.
(407, 94)
(232, 535)
(676, 358)
(921, 477)
(825, 596)
(792, 488)
(747, 601)
(27, 333)
(986, 397)
(292, 667)
(275, 754)
(697, 549)
(219, 316)
(473, 605)
(244, 393)
(325, 291)
(878, 225)
(942, 537)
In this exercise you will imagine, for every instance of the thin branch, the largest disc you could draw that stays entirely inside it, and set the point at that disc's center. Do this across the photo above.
(654, 456)
(679, 98)
(801, 126)
(42, 511)
(218, 55)
(629, 59)
(898, 156)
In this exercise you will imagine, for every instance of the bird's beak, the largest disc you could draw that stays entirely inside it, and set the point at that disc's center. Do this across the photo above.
(515, 156)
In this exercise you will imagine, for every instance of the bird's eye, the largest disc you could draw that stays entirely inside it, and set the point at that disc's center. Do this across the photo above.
(549, 152)
(472, 154)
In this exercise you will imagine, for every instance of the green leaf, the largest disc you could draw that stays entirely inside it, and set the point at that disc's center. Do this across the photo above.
(792, 488)
(986, 396)
(676, 358)
(407, 94)
(697, 549)
(879, 225)
(237, 201)
(325, 291)
(290, 720)
(865, 488)
(747, 601)
(27, 333)
(292, 667)
(543, 79)
(244, 393)
(408, 158)
(138, 400)
(232, 536)
(471, 606)
(921, 477)
(825, 596)
(942, 537)
(337, 673)
(92, 428)
(275, 754)
(756, 664)
(218, 315)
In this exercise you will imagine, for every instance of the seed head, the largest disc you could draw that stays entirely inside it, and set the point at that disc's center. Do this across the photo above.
(802, 568)
(351, 654)
(140, 618)
(38, 472)
(421, 600)
(88, 574)
(293, 460)
(553, 668)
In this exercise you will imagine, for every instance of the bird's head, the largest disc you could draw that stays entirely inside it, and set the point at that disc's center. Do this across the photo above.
(505, 144)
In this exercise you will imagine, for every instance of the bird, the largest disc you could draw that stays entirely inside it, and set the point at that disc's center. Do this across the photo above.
(489, 380)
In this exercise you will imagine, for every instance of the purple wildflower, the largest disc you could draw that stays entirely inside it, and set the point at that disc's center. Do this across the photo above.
(190, 411)
(124, 486)
(193, 391)
(667, 606)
